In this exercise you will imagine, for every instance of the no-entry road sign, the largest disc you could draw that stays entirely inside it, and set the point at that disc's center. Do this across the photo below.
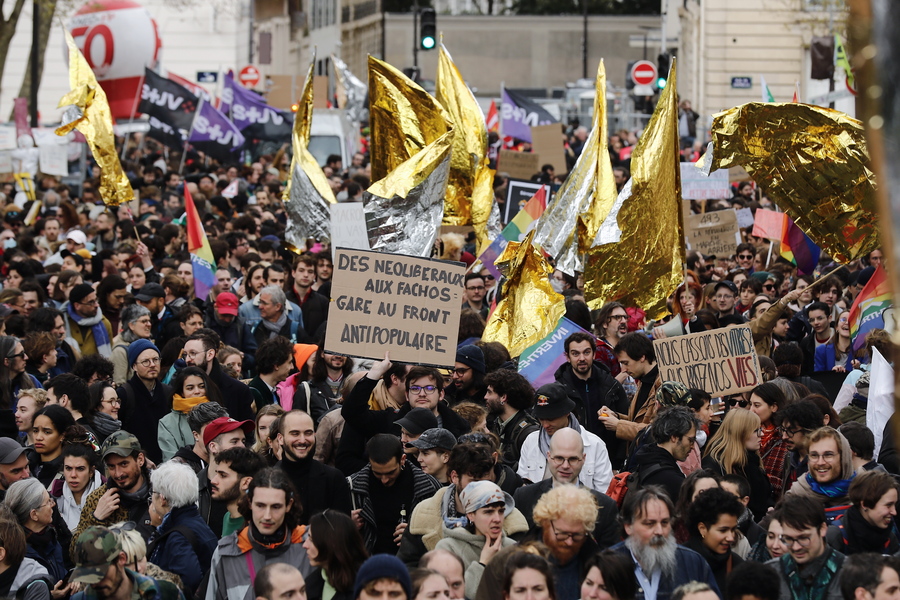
(249, 76)
(643, 72)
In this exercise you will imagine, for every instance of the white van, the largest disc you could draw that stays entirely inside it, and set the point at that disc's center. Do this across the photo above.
(331, 133)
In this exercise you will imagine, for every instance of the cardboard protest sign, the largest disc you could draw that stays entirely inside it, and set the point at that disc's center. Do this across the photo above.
(6, 165)
(407, 305)
(348, 226)
(54, 160)
(721, 361)
(521, 165)
(7, 138)
(714, 233)
(539, 362)
(697, 186)
(547, 142)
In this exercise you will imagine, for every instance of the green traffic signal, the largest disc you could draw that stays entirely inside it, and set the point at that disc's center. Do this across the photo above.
(661, 83)
(427, 42)
(427, 29)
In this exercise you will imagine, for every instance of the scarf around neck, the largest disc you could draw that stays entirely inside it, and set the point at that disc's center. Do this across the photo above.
(184, 405)
(101, 336)
(276, 327)
(814, 584)
(862, 536)
(834, 489)
(544, 439)
(105, 425)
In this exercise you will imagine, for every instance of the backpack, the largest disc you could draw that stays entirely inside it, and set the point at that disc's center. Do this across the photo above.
(626, 481)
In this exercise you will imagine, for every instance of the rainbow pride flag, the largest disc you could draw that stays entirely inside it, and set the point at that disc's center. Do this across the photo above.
(515, 231)
(867, 312)
(795, 244)
(198, 246)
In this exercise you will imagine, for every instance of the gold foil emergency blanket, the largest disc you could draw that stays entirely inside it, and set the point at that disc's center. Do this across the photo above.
(810, 161)
(529, 309)
(567, 228)
(403, 120)
(645, 266)
(88, 112)
(405, 206)
(354, 91)
(308, 195)
(470, 192)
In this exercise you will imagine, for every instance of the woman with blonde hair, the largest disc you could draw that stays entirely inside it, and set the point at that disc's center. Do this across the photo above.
(29, 402)
(734, 450)
(135, 549)
(266, 416)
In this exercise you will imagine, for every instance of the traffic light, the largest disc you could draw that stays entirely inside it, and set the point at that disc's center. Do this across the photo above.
(663, 63)
(427, 29)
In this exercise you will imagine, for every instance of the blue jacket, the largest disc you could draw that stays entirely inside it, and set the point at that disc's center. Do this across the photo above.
(49, 554)
(174, 552)
(690, 566)
(824, 359)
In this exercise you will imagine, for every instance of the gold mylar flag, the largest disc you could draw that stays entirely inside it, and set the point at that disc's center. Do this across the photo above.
(468, 200)
(308, 194)
(639, 249)
(530, 309)
(567, 228)
(88, 112)
(403, 118)
(412, 139)
(810, 161)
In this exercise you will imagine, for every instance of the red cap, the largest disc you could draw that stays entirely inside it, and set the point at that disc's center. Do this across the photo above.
(227, 304)
(224, 425)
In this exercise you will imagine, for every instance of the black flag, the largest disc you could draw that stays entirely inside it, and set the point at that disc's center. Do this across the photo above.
(168, 102)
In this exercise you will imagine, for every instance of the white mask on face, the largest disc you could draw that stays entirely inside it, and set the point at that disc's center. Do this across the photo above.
(557, 285)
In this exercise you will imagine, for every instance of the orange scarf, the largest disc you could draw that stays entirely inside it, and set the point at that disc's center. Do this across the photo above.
(245, 545)
(184, 405)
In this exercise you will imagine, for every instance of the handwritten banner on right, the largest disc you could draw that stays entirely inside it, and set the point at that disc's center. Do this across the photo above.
(721, 362)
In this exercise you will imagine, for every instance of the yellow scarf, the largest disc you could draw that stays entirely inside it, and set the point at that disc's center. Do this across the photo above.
(184, 405)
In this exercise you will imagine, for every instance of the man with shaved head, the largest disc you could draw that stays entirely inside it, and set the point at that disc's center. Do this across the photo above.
(566, 460)
(279, 581)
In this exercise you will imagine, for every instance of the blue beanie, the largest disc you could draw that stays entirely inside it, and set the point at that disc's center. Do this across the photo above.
(383, 566)
(138, 346)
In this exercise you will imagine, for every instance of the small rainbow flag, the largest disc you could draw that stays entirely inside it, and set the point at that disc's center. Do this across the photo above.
(867, 312)
(795, 244)
(201, 254)
(517, 229)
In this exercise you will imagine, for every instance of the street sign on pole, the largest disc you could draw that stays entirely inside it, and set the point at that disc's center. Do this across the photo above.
(643, 73)
(249, 76)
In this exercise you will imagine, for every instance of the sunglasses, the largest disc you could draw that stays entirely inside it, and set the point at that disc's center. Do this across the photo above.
(739, 402)
(745, 256)
(769, 286)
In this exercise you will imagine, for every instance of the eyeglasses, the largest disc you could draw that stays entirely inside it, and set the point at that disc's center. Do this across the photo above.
(803, 540)
(20, 354)
(792, 432)
(194, 354)
(739, 402)
(417, 390)
(91, 303)
(760, 432)
(49, 502)
(619, 317)
(572, 460)
(826, 456)
(562, 536)
(476, 288)
(115, 402)
(149, 361)
(462, 370)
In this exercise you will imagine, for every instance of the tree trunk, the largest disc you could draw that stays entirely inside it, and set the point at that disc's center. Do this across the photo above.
(48, 10)
(7, 29)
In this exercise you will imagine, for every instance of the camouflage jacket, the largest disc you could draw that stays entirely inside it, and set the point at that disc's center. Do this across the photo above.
(145, 588)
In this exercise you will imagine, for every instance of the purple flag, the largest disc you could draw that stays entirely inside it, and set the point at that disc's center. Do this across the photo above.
(252, 115)
(215, 135)
(519, 114)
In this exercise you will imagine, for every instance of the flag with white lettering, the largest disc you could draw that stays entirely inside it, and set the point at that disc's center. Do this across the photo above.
(215, 135)
(519, 114)
(168, 101)
(166, 134)
(250, 113)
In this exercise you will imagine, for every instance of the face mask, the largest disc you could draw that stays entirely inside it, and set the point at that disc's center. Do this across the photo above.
(9, 243)
(557, 285)
(341, 196)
